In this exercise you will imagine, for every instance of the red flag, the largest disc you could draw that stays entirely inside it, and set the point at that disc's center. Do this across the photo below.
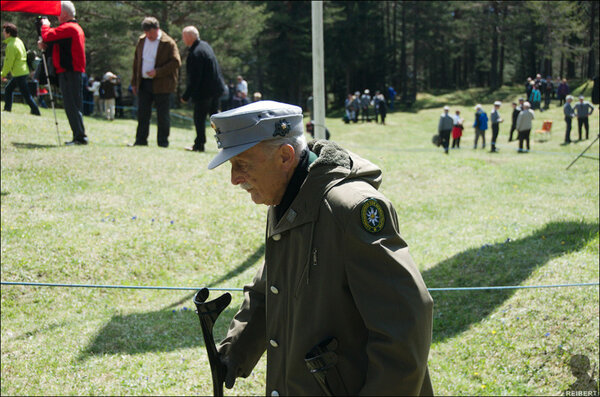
(32, 7)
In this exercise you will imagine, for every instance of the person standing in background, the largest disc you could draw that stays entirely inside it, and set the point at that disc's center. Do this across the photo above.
(15, 63)
(515, 113)
(583, 110)
(155, 71)
(204, 83)
(457, 130)
(569, 114)
(445, 127)
(524, 126)
(481, 125)
(496, 120)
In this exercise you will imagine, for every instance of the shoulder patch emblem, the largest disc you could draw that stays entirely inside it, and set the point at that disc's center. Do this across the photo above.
(372, 215)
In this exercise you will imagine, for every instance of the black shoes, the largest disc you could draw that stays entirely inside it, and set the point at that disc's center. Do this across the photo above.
(195, 148)
(77, 142)
(137, 144)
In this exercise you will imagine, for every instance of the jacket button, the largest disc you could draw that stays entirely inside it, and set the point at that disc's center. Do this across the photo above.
(274, 343)
(277, 237)
(274, 393)
(274, 290)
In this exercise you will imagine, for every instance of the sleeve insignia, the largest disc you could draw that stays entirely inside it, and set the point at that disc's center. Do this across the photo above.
(372, 216)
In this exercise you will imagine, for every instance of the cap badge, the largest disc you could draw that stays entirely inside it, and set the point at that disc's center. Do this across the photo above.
(282, 128)
(372, 215)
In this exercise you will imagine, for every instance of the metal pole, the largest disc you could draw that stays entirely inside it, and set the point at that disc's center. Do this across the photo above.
(581, 154)
(51, 96)
(318, 69)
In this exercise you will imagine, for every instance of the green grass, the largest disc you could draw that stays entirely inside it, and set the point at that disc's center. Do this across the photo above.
(110, 214)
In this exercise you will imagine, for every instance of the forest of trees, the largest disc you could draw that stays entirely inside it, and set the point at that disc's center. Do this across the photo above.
(412, 45)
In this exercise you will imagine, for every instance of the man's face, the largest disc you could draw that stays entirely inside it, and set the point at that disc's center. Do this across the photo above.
(152, 34)
(63, 17)
(188, 39)
(260, 173)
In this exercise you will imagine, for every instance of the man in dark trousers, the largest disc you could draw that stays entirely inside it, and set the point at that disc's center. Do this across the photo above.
(204, 83)
(569, 114)
(155, 70)
(68, 57)
(583, 110)
(516, 110)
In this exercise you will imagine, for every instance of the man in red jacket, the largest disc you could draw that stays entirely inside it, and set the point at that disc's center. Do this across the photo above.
(68, 57)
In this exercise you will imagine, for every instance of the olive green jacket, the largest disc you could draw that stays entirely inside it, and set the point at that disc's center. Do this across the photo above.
(325, 275)
(167, 65)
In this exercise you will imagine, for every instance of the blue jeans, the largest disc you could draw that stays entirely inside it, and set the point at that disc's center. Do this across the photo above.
(21, 82)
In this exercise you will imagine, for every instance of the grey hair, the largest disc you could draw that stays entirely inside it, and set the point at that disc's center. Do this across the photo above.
(297, 142)
(68, 7)
(150, 23)
(191, 30)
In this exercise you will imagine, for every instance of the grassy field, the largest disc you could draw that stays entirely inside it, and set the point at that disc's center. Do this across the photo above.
(110, 214)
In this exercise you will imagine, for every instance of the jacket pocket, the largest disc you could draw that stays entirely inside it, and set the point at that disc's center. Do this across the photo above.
(312, 261)
(321, 362)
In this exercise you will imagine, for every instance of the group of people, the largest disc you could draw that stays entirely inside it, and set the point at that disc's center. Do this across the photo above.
(102, 96)
(539, 89)
(360, 105)
(154, 80)
(522, 117)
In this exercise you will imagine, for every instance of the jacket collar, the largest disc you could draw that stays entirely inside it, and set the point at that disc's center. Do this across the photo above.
(332, 166)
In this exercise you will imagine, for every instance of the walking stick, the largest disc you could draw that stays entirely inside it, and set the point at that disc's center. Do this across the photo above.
(51, 96)
(208, 312)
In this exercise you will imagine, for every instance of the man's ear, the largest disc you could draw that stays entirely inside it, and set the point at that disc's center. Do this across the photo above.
(287, 154)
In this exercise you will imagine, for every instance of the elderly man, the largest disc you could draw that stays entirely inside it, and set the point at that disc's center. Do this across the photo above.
(204, 83)
(496, 120)
(339, 305)
(569, 114)
(68, 57)
(583, 110)
(155, 70)
(524, 121)
(445, 127)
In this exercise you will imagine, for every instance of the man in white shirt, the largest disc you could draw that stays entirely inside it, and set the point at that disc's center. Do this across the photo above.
(155, 72)
(241, 90)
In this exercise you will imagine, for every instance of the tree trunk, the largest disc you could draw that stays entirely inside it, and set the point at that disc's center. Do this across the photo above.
(570, 62)
(394, 75)
(501, 70)
(494, 64)
(591, 72)
(413, 91)
(403, 79)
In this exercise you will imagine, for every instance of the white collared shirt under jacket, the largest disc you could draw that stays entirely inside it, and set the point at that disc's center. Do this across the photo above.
(149, 55)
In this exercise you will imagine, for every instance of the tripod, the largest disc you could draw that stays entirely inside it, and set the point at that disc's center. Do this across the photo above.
(51, 96)
(587, 157)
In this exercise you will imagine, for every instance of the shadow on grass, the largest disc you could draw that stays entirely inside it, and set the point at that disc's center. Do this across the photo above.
(158, 331)
(251, 260)
(509, 263)
(165, 329)
(25, 145)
